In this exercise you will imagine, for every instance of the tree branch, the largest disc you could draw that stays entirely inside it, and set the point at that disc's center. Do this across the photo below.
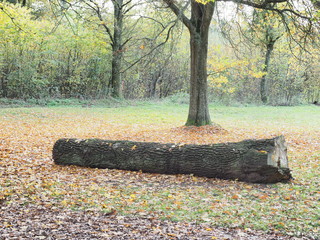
(263, 5)
(152, 50)
(96, 9)
(179, 13)
(266, 6)
(12, 19)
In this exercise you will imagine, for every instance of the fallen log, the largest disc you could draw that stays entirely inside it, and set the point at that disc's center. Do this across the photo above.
(258, 161)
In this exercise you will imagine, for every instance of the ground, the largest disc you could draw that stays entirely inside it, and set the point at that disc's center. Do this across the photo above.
(40, 200)
(41, 222)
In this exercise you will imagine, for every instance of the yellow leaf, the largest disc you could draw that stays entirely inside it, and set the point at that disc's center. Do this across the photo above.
(133, 196)
(231, 90)
(6, 224)
(262, 151)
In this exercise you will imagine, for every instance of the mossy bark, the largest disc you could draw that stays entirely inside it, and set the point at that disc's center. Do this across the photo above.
(263, 161)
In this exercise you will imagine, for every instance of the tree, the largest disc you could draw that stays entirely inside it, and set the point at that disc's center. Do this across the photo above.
(117, 46)
(120, 28)
(37, 62)
(268, 25)
(198, 26)
(116, 36)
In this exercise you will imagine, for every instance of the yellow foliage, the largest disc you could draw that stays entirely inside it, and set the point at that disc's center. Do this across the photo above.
(258, 74)
(219, 80)
(231, 90)
(204, 1)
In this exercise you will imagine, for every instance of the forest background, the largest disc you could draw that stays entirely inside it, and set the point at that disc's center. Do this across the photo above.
(54, 50)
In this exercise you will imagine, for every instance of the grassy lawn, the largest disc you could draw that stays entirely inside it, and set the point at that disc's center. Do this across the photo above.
(28, 175)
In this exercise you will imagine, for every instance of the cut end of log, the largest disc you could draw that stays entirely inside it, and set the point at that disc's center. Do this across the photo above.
(278, 157)
(266, 161)
(257, 161)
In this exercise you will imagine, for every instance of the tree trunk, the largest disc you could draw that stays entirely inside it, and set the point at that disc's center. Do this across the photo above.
(263, 161)
(201, 16)
(155, 77)
(4, 88)
(115, 83)
(263, 83)
(198, 26)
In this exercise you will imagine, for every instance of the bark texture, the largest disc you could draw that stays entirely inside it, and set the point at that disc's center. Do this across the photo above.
(259, 161)
(263, 83)
(198, 25)
(201, 15)
(117, 51)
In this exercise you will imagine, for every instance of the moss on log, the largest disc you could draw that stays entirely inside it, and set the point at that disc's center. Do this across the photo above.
(258, 161)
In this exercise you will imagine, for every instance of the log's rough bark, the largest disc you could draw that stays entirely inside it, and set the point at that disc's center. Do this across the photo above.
(258, 161)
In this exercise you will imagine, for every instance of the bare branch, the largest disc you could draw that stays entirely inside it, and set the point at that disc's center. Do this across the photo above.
(179, 13)
(152, 50)
(267, 5)
(263, 5)
(97, 10)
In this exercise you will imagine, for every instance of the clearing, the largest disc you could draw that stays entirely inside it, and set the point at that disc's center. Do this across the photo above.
(40, 200)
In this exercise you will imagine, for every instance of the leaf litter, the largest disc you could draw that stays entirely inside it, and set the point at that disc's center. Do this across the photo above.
(40, 200)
